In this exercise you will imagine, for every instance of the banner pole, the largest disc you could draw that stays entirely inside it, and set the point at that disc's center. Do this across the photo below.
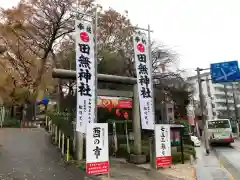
(96, 63)
(151, 63)
(152, 139)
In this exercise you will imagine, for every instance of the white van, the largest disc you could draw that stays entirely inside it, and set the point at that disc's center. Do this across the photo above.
(219, 131)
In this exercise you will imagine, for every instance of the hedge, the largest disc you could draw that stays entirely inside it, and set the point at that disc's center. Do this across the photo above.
(64, 122)
(11, 123)
(176, 156)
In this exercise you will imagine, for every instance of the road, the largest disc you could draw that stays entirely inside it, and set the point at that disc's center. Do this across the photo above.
(27, 154)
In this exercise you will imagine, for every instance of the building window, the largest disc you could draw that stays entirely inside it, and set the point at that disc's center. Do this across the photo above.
(219, 89)
(218, 96)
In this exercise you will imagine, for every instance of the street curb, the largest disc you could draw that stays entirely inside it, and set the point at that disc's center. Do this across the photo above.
(194, 173)
(226, 164)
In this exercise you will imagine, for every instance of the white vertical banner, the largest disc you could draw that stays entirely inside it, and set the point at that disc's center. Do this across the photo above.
(85, 75)
(97, 157)
(163, 145)
(144, 80)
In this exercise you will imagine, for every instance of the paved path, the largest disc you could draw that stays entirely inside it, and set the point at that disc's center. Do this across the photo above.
(209, 167)
(236, 144)
(27, 154)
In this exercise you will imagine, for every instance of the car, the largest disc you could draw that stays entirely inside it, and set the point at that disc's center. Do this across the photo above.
(196, 141)
(219, 131)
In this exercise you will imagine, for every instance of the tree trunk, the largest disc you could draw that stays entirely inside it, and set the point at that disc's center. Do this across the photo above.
(21, 113)
(13, 111)
(30, 111)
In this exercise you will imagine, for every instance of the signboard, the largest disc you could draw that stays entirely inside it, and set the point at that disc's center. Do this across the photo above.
(114, 102)
(97, 157)
(45, 101)
(85, 75)
(163, 145)
(175, 137)
(144, 80)
(225, 72)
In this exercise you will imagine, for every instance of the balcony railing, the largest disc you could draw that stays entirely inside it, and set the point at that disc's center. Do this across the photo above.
(223, 108)
(218, 100)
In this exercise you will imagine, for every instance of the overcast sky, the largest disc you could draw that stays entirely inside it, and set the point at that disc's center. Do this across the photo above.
(201, 31)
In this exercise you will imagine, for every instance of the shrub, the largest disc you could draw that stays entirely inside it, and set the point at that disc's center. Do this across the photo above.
(11, 123)
(177, 157)
(64, 121)
(187, 140)
(190, 150)
(123, 153)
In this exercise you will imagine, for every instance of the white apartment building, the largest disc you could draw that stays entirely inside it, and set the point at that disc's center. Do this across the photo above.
(219, 101)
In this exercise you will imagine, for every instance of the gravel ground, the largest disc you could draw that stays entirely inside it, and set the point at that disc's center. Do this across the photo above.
(27, 154)
(120, 170)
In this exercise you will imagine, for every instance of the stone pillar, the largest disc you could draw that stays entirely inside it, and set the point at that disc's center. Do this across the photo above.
(137, 157)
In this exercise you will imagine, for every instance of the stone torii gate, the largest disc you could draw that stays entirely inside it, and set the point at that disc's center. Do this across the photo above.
(137, 157)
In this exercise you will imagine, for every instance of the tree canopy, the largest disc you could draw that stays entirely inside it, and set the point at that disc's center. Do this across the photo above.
(37, 35)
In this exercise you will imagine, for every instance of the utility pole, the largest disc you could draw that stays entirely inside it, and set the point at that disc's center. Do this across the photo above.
(195, 122)
(227, 104)
(209, 97)
(235, 108)
(202, 111)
